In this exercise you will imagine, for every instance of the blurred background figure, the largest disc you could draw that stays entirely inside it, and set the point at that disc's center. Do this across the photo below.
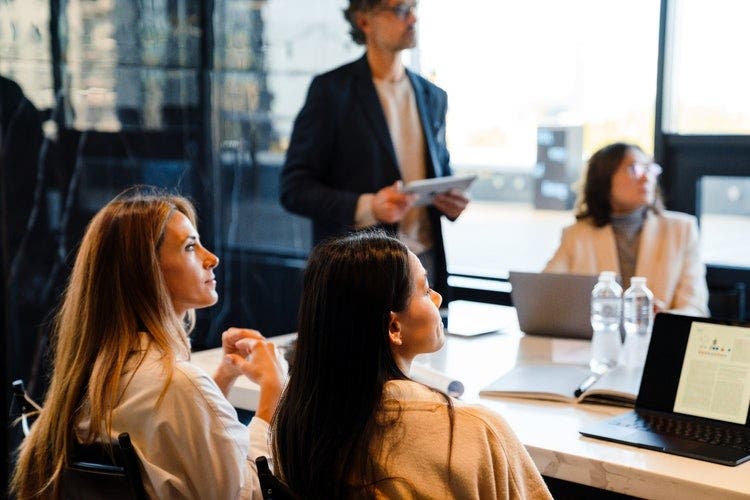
(622, 226)
(27, 244)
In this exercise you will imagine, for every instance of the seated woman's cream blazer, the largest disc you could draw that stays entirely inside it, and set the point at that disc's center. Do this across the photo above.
(668, 256)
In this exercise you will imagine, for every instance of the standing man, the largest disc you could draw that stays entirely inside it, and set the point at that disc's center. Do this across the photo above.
(366, 128)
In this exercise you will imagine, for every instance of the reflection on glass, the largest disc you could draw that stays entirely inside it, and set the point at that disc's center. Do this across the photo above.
(131, 64)
(242, 102)
(249, 157)
(265, 54)
(107, 98)
(238, 35)
(24, 48)
(724, 212)
(103, 177)
(287, 43)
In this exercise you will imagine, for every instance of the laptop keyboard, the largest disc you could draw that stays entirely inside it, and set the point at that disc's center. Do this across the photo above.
(704, 432)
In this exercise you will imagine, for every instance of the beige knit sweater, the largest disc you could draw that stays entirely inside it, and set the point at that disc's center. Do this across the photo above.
(487, 459)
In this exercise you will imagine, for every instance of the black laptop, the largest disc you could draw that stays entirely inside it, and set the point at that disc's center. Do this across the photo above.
(694, 398)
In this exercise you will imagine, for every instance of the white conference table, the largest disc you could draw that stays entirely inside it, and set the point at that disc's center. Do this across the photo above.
(549, 430)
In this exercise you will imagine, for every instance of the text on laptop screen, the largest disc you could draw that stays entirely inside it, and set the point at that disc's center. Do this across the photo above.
(715, 377)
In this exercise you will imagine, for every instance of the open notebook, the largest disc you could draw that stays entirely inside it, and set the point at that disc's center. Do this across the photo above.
(568, 383)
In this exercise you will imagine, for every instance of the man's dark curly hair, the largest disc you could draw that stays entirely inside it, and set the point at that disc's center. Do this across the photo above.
(358, 6)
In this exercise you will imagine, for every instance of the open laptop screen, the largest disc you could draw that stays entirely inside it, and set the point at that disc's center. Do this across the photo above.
(698, 367)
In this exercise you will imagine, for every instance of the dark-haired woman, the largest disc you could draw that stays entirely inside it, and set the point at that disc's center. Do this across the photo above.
(350, 423)
(622, 226)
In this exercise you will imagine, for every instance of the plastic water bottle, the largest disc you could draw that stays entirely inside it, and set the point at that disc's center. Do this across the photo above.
(638, 318)
(606, 313)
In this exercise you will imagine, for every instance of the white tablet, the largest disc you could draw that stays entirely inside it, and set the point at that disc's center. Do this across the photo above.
(428, 188)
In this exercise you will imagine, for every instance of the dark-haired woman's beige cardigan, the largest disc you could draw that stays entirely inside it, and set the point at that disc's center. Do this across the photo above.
(487, 460)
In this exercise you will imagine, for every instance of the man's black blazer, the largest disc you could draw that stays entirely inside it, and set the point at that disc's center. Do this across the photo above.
(341, 147)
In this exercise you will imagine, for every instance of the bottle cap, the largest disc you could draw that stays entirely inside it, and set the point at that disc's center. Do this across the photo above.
(637, 280)
(607, 276)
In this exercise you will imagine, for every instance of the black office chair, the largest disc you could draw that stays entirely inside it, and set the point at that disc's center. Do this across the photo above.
(727, 302)
(271, 486)
(23, 409)
(95, 471)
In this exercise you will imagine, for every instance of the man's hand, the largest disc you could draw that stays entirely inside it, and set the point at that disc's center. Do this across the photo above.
(390, 204)
(451, 203)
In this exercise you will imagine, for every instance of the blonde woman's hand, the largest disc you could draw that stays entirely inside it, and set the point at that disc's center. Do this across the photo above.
(228, 371)
(232, 335)
(262, 366)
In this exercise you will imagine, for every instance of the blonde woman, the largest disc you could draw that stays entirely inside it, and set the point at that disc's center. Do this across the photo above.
(122, 361)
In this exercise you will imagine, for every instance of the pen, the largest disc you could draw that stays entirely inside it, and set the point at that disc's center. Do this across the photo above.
(588, 382)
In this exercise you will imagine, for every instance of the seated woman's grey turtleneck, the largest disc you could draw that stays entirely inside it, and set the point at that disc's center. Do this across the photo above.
(627, 229)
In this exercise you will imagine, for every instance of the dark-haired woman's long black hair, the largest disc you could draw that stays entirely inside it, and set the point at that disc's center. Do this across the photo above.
(325, 426)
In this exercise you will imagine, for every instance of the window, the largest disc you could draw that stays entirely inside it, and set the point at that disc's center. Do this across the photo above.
(265, 55)
(534, 88)
(724, 211)
(704, 137)
(707, 78)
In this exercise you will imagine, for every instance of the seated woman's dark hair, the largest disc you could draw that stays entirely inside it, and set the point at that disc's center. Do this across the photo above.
(326, 421)
(594, 195)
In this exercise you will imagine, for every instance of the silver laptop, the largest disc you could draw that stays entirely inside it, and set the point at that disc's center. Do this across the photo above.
(694, 398)
(552, 304)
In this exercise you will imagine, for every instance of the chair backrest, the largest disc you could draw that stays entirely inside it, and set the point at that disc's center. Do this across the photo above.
(96, 472)
(22, 407)
(727, 302)
(271, 486)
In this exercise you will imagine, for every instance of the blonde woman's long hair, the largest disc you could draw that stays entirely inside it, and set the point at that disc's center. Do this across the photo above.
(115, 291)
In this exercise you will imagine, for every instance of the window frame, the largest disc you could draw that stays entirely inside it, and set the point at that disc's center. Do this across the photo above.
(688, 157)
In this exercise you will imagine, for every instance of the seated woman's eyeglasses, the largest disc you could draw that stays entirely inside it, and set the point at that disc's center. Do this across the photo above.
(638, 169)
(402, 10)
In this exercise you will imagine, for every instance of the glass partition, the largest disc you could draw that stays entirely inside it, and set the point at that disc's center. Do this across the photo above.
(25, 49)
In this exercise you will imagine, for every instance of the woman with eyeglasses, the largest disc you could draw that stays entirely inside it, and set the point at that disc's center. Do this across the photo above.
(122, 362)
(622, 226)
(351, 424)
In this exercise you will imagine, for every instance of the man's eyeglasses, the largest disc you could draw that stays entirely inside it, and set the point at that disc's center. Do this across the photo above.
(650, 169)
(402, 10)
